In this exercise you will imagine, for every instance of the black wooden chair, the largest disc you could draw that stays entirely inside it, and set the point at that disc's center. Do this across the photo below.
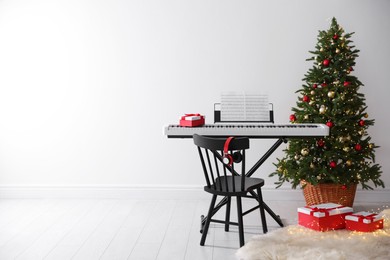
(228, 180)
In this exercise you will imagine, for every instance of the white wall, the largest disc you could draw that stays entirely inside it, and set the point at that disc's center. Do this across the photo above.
(86, 86)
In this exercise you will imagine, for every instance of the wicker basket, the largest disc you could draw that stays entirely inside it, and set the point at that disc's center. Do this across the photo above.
(325, 193)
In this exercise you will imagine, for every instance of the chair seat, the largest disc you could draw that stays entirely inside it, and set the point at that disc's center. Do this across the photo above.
(250, 184)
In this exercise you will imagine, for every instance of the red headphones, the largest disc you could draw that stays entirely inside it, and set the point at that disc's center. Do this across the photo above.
(228, 158)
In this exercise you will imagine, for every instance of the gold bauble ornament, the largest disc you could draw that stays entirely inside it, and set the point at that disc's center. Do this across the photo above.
(348, 137)
(305, 151)
(342, 139)
(306, 117)
(331, 94)
(318, 177)
(346, 149)
(312, 92)
(365, 115)
(348, 162)
(280, 169)
(361, 132)
(296, 157)
(337, 51)
(371, 146)
(322, 109)
(322, 49)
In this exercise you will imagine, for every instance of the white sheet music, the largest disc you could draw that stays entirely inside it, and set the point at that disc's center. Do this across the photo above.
(244, 106)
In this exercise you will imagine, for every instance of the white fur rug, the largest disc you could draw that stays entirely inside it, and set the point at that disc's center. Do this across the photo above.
(296, 242)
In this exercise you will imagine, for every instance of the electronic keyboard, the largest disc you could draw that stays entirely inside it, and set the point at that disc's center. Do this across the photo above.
(249, 130)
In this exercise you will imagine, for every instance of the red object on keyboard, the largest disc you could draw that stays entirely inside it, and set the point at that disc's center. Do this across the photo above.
(192, 120)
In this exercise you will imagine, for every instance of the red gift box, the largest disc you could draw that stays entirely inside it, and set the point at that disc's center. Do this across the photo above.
(323, 217)
(363, 222)
(192, 120)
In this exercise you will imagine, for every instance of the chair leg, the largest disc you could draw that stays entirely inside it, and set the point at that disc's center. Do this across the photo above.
(208, 218)
(227, 216)
(240, 221)
(262, 212)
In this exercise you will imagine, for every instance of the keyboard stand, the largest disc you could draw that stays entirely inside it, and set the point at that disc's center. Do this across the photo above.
(250, 173)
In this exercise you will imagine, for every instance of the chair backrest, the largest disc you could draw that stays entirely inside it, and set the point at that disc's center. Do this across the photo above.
(211, 156)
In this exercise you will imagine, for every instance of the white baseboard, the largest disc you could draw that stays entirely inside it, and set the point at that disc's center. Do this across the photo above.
(157, 192)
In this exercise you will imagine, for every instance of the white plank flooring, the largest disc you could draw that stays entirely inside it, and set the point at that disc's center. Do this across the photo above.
(125, 229)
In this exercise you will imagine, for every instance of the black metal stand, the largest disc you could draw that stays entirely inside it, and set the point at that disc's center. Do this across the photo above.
(254, 195)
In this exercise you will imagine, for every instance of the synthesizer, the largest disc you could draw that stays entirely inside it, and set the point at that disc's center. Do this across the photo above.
(249, 130)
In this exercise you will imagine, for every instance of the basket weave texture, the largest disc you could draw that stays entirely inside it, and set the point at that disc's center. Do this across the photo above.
(329, 193)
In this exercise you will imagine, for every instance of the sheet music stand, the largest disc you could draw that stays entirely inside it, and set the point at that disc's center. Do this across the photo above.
(217, 115)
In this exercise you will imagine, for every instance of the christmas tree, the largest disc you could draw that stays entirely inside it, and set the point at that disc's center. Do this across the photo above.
(330, 96)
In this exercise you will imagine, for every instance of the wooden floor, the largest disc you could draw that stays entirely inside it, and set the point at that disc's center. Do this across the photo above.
(124, 229)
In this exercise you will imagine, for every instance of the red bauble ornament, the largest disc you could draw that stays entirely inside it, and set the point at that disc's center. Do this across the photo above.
(320, 143)
(293, 118)
(350, 69)
(335, 37)
(358, 147)
(314, 85)
(362, 123)
(344, 187)
(329, 124)
(306, 98)
(332, 164)
(347, 83)
(324, 84)
(326, 62)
